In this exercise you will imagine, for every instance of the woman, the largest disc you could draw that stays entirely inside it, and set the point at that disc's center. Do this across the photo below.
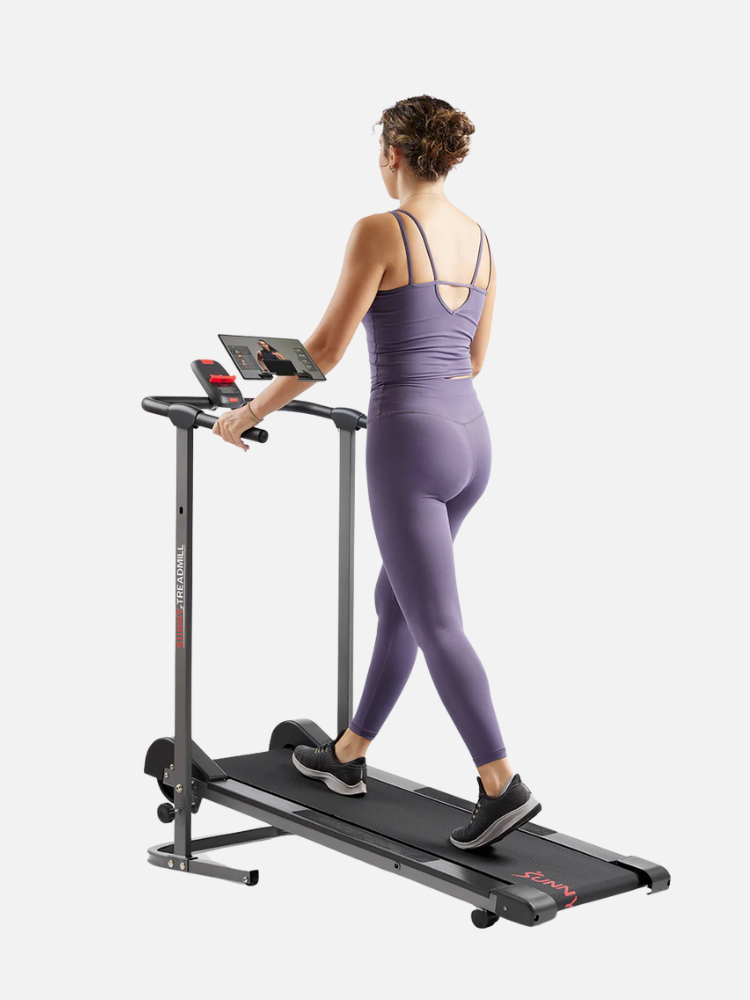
(428, 448)
(266, 351)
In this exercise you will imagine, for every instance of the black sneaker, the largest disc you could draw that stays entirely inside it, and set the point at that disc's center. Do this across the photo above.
(322, 763)
(495, 817)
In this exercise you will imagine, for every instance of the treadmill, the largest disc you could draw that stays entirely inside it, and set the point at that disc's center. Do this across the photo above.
(400, 825)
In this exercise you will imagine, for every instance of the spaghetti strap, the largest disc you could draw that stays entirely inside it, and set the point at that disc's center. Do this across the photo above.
(406, 244)
(489, 251)
(427, 245)
(479, 255)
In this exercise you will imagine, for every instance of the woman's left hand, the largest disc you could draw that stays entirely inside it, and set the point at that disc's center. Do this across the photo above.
(232, 423)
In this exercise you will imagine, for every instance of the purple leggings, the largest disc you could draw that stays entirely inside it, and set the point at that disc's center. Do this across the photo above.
(428, 459)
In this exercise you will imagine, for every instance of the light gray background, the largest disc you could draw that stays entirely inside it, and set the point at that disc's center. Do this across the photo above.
(171, 171)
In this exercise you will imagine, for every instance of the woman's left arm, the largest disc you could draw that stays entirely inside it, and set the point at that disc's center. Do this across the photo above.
(361, 273)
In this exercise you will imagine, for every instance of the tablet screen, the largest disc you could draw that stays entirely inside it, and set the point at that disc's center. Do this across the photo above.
(262, 358)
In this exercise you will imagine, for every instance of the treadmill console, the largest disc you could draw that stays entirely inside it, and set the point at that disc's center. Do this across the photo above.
(218, 384)
(261, 358)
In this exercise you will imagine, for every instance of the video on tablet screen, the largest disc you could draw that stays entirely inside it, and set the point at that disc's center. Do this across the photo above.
(264, 357)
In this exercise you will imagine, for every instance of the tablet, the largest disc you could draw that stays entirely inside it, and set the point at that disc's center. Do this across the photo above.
(262, 358)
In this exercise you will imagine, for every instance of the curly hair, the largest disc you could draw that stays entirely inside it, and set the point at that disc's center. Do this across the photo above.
(432, 135)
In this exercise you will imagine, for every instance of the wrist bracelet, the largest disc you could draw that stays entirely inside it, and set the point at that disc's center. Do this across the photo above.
(255, 418)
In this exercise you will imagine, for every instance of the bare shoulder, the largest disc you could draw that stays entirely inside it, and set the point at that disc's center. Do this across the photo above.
(468, 218)
(377, 226)
(372, 237)
(475, 223)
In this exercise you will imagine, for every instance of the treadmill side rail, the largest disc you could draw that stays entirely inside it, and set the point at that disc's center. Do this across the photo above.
(655, 876)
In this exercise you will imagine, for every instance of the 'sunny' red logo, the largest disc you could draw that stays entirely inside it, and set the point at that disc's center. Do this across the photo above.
(541, 878)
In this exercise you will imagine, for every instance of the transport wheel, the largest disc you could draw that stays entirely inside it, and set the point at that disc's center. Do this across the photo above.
(483, 918)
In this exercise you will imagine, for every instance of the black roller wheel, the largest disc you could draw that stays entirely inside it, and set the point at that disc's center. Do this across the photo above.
(483, 918)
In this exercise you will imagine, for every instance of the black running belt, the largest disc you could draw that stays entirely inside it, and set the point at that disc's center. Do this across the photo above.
(424, 819)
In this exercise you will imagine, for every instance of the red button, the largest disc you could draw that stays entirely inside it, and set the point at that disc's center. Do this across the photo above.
(233, 399)
(222, 379)
(206, 362)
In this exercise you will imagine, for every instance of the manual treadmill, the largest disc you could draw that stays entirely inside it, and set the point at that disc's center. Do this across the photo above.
(401, 825)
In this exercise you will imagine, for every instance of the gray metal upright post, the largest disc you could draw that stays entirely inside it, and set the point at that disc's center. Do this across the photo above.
(183, 764)
(344, 704)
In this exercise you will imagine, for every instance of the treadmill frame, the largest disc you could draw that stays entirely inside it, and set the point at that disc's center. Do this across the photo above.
(193, 775)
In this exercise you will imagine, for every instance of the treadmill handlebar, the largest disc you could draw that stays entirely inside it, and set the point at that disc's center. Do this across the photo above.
(186, 412)
(344, 417)
(180, 407)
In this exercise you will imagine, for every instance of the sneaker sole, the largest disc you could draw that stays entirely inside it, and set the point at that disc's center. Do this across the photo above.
(334, 783)
(503, 826)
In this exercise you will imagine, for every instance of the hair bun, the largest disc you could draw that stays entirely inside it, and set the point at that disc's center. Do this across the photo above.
(433, 135)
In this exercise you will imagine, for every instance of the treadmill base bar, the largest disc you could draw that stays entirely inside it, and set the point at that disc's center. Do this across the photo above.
(163, 855)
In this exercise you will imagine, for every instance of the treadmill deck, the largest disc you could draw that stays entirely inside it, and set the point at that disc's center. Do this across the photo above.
(422, 819)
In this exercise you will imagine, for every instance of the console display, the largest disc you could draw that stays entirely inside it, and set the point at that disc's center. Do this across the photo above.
(262, 358)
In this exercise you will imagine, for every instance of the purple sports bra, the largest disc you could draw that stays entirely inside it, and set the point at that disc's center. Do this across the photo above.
(412, 335)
